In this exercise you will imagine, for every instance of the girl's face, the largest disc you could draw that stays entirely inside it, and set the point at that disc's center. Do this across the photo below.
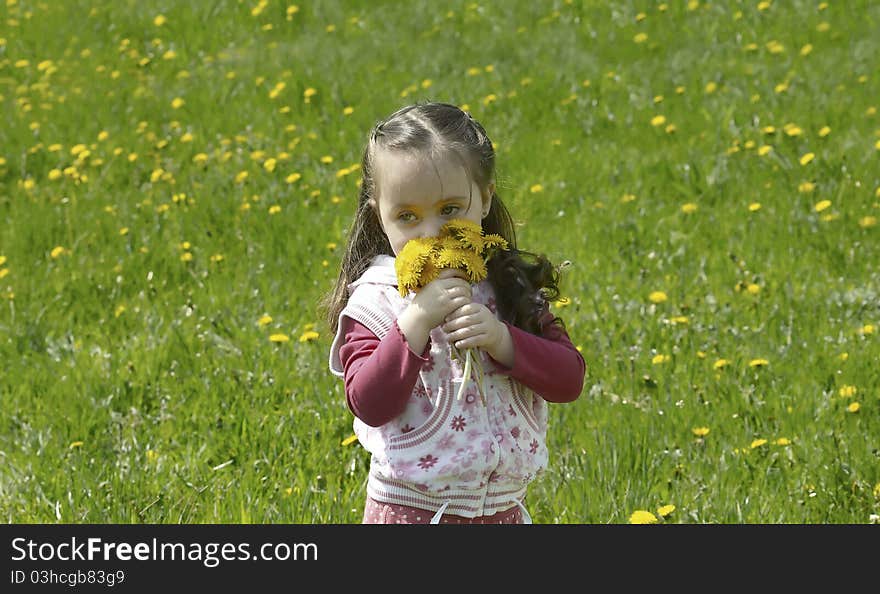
(417, 195)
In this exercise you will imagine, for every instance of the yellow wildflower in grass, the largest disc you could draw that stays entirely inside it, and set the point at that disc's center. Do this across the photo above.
(536, 188)
(660, 358)
(764, 150)
(75, 444)
(853, 407)
(264, 320)
(720, 364)
(847, 391)
(822, 205)
(665, 510)
(868, 221)
(641, 516)
(349, 440)
(806, 187)
(807, 158)
(460, 244)
(309, 335)
(824, 131)
(657, 297)
(756, 443)
(152, 456)
(279, 338)
(758, 363)
(689, 208)
(783, 441)
(754, 207)
(58, 251)
(866, 329)
(700, 431)
(658, 120)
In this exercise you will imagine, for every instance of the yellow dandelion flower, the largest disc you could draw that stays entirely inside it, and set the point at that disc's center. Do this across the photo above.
(308, 335)
(846, 391)
(866, 329)
(783, 441)
(75, 444)
(660, 358)
(640, 37)
(160, 20)
(754, 206)
(700, 431)
(807, 158)
(58, 251)
(757, 443)
(641, 516)
(657, 297)
(758, 363)
(349, 440)
(177, 103)
(853, 407)
(279, 338)
(868, 221)
(658, 120)
(689, 208)
(764, 150)
(824, 131)
(720, 364)
(665, 510)
(806, 187)
(536, 188)
(822, 205)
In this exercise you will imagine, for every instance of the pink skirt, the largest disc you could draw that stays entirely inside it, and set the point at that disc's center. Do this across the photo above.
(376, 512)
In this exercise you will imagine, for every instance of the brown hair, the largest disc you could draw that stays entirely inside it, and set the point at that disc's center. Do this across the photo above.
(523, 281)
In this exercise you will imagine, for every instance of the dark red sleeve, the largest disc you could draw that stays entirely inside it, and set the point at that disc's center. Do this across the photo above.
(548, 364)
(379, 374)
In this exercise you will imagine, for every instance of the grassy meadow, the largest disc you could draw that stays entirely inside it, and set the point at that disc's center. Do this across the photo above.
(176, 182)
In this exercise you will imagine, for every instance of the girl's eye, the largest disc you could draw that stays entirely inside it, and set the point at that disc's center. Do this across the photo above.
(449, 209)
(406, 217)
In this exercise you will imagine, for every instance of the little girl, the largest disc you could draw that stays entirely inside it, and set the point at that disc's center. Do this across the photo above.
(434, 457)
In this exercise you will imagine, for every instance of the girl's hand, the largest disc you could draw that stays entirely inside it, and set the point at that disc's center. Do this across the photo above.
(431, 305)
(474, 325)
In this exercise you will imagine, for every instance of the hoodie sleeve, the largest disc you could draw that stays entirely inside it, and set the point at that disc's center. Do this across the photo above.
(549, 364)
(379, 374)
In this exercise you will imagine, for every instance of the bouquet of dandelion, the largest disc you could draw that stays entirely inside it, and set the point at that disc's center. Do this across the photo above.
(461, 244)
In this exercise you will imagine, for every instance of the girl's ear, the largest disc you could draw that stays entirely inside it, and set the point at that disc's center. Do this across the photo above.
(487, 199)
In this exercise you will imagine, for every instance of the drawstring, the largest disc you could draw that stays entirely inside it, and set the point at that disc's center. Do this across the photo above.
(527, 519)
(439, 514)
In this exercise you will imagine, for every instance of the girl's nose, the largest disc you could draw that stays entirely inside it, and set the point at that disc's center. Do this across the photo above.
(430, 229)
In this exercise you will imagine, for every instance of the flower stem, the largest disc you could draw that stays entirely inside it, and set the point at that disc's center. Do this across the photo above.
(466, 375)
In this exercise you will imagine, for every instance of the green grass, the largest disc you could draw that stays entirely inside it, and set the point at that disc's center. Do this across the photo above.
(136, 386)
